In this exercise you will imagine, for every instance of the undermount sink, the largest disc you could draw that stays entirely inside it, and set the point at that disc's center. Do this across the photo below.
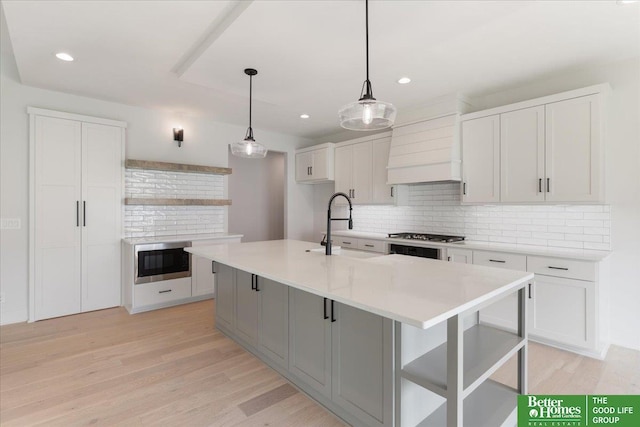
(350, 253)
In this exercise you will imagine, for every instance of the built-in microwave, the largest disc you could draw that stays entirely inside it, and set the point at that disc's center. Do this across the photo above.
(161, 261)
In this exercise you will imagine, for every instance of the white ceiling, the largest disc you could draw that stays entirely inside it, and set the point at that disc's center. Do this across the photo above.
(188, 57)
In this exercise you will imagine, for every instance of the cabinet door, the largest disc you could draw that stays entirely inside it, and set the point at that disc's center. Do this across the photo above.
(361, 173)
(246, 307)
(310, 340)
(464, 256)
(225, 296)
(57, 211)
(202, 277)
(382, 193)
(343, 162)
(362, 364)
(273, 321)
(522, 155)
(573, 150)
(319, 164)
(101, 215)
(563, 310)
(481, 160)
(303, 166)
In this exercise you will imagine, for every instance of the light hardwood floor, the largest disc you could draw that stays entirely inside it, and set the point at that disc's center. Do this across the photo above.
(171, 367)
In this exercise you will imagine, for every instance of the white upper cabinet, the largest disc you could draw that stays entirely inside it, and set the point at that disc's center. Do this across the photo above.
(382, 192)
(546, 150)
(573, 150)
(522, 155)
(481, 165)
(315, 164)
(361, 170)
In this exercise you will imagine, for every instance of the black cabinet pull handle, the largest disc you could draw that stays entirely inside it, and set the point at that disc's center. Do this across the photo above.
(548, 184)
(464, 189)
(164, 292)
(324, 308)
(84, 213)
(311, 170)
(448, 258)
(368, 246)
(559, 268)
(529, 290)
(540, 185)
(391, 191)
(213, 267)
(257, 288)
(252, 282)
(77, 213)
(497, 260)
(333, 312)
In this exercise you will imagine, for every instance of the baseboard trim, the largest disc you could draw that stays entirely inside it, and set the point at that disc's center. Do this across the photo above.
(136, 310)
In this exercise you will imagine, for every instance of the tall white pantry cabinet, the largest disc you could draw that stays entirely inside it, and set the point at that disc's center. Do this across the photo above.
(76, 181)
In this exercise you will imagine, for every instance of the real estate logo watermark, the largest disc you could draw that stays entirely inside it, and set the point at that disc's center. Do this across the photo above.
(578, 410)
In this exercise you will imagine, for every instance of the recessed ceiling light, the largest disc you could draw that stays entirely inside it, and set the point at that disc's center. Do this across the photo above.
(64, 56)
(304, 116)
(404, 80)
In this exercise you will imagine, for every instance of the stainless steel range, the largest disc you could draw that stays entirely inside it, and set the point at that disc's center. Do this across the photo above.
(421, 251)
(442, 238)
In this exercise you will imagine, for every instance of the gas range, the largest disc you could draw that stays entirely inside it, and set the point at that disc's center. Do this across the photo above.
(427, 237)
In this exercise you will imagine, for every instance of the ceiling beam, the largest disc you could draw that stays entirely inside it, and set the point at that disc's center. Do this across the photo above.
(215, 30)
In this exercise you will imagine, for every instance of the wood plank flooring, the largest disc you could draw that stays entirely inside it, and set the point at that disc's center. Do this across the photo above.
(172, 367)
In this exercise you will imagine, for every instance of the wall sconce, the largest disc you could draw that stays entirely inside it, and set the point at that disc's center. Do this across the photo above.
(178, 135)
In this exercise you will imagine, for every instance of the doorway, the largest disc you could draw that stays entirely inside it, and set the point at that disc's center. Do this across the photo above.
(256, 188)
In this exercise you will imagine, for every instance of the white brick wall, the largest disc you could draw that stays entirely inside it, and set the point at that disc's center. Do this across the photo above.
(150, 221)
(436, 208)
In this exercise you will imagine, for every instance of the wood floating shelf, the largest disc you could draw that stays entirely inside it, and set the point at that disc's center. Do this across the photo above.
(175, 167)
(176, 202)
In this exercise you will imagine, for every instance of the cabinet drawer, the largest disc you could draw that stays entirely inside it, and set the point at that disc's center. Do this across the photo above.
(160, 292)
(500, 260)
(371, 245)
(346, 242)
(571, 269)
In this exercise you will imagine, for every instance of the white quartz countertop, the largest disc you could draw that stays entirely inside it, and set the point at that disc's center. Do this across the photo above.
(180, 238)
(416, 291)
(567, 253)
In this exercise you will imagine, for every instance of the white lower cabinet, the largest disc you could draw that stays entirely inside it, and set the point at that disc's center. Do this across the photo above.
(563, 310)
(202, 276)
(158, 293)
(464, 256)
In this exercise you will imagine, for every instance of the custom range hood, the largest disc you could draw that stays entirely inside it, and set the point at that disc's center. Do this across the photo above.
(426, 144)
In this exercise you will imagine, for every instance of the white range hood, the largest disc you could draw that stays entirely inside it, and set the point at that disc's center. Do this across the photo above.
(428, 150)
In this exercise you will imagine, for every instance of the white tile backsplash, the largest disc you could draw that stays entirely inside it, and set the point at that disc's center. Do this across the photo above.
(151, 221)
(436, 208)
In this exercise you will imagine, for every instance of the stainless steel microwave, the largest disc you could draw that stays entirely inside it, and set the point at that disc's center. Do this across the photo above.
(154, 262)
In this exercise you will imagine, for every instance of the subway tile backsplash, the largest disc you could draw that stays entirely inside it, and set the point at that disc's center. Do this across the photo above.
(151, 221)
(436, 208)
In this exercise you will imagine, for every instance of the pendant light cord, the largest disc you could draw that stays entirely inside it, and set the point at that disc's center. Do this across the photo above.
(367, 90)
(250, 130)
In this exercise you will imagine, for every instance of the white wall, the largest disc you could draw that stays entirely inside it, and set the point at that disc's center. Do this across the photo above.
(149, 137)
(258, 189)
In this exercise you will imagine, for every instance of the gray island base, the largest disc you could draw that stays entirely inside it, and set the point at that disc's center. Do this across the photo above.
(380, 341)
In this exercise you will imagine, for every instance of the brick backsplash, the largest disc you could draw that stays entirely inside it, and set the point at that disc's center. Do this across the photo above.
(150, 221)
(436, 208)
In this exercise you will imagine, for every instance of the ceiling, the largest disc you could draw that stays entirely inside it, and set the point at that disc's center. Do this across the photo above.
(187, 57)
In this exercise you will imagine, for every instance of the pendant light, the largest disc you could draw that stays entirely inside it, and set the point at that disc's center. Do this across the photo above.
(367, 113)
(249, 148)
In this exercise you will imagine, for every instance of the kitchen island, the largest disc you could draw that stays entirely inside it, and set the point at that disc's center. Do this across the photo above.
(383, 340)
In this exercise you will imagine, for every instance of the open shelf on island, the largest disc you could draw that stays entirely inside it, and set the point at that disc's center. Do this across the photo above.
(491, 404)
(485, 350)
(175, 167)
(176, 202)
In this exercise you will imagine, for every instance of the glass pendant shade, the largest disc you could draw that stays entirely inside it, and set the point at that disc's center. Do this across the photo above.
(367, 114)
(249, 149)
